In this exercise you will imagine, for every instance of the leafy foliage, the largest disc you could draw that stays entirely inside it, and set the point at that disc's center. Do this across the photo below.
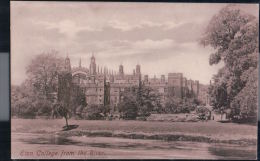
(176, 105)
(202, 112)
(35, 96)
(64, 94)
(96, 112)
(78, 100)
(27, 103)
(172, 105)
(129, 105)
(43, 72)
(234, 36)
(138, 102)
(147, 99)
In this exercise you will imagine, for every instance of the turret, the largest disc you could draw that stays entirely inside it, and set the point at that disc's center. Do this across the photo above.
(138, 69)
(121, 70)
(92, 65)
(67, 66)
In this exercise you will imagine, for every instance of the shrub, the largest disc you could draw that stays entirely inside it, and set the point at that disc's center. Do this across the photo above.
(202, 112)
(96, 112)
(128, 110)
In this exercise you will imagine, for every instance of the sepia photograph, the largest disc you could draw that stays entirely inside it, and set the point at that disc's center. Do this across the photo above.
(134, 80)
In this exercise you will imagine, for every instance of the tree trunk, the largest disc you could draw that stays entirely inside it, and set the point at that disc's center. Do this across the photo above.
(67, 125)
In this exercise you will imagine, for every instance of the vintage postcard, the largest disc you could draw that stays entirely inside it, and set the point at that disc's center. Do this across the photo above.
(117, 80)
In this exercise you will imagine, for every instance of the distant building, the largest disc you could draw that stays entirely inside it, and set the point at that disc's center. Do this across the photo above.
(175, 85)
(104, 86)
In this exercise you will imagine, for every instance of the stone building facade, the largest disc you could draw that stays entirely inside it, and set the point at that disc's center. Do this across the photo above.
(103, 86)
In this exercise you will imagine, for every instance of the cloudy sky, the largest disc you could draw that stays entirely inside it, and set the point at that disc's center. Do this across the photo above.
(162, 37)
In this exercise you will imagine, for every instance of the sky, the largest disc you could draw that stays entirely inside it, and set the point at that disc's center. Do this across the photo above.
(162, 37)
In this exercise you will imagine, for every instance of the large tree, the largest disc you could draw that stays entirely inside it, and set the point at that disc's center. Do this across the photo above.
(27, 102)
(139, 101)
(128, 107)
(43, 72)
(234, 36)
(35, 95)
(148, 100)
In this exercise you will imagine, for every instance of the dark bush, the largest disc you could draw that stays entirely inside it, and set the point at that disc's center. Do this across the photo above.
(96, 112)
(202, 112)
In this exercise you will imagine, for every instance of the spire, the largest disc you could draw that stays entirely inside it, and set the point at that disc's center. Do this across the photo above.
(138, 69)
(80, 62)
(121, 69)
(92, 66)
(67, 64)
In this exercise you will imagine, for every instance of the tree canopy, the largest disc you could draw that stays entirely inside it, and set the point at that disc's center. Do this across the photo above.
(234, 36)
(43, 72)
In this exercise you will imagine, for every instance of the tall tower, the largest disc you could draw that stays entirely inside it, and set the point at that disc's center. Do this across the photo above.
(92, 65)
(121, 70)
(67, 64)
(138, 69)
(175, 84)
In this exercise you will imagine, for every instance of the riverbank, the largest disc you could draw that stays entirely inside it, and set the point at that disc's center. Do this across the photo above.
(209, 132)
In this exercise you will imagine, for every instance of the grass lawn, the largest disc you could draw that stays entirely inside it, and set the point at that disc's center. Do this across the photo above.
(226, 131)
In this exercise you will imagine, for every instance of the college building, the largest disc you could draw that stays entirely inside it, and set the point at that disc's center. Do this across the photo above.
(104, 86)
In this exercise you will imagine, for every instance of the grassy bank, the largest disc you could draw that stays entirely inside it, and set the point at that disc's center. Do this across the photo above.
(186, 131)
